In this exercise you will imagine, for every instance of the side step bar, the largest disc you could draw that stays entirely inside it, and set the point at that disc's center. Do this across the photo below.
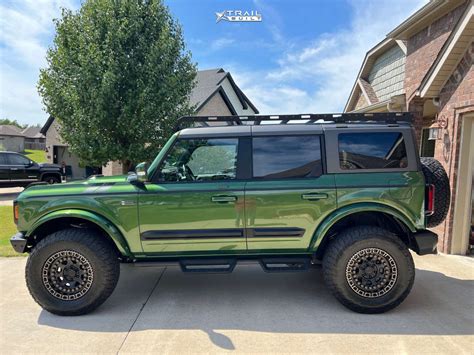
(227, 265)
(285, 264)
(208, 265)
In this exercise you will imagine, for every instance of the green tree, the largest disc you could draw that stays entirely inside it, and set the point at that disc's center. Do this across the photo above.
(7, 121)
(118, 78)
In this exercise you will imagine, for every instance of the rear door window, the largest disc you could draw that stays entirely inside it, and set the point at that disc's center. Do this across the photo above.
(282, 157)
(377, 150)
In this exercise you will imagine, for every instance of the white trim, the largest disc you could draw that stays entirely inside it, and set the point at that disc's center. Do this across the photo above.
(402, 46)
(372, 107)
(462, 205)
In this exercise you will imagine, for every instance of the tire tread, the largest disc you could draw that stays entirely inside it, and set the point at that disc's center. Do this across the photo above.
(104, 252)
(344, 240)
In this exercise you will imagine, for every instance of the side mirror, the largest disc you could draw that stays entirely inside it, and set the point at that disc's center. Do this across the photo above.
(141, 172)
(30, 164)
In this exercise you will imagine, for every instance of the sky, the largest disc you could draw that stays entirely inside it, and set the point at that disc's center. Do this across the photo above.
(303, 57)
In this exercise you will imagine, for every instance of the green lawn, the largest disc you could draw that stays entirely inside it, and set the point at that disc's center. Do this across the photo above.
(7, 229)
(38, 156)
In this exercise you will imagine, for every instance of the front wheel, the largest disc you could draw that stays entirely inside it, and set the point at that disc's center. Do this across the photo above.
(72, 271)
(368, 269)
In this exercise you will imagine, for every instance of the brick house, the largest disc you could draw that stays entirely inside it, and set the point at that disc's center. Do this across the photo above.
(215, 93)
(425, 66)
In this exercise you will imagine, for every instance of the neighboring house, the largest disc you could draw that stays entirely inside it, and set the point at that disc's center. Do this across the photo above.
(11, 138)
(34, 139)
(425, 66)
(215, 93)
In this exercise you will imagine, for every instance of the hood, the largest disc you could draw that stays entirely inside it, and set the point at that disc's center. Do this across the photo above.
(100, 179)
(91, 185)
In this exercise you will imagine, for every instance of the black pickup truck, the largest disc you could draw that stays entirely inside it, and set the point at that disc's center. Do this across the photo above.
(16, 170)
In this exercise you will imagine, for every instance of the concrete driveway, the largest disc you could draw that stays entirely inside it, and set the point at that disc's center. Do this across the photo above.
(161, 310)
(8, 194)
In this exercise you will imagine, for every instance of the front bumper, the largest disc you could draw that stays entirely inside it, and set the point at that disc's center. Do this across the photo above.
(425, 242)
(18, 242)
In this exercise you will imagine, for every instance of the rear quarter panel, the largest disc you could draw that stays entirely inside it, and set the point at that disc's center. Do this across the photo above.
(400, 194)
(403, 191)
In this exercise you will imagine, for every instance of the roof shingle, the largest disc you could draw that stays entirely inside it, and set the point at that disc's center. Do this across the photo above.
(10, 130)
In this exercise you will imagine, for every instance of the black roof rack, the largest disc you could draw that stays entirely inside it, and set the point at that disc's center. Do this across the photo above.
(320, 118)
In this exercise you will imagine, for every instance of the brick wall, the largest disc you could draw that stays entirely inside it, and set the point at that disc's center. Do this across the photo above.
(423, 47)
(112, 168)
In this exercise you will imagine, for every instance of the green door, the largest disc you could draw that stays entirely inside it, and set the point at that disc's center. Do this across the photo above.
(289, 194)
(194, 206)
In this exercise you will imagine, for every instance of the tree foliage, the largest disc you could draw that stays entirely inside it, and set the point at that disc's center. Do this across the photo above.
(7, 121)
(118, 78)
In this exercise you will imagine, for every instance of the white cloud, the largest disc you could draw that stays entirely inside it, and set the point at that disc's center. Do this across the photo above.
(221, 43)
(327, 67)
(26, 29)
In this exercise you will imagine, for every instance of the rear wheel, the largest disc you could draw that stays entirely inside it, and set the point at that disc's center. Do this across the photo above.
(368, 269)
(51, 179)
(72, 271)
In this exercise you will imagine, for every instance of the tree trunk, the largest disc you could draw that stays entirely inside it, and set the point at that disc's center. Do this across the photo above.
(126, 165)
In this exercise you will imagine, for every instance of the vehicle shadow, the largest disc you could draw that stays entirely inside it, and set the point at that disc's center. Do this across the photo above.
(252, 300)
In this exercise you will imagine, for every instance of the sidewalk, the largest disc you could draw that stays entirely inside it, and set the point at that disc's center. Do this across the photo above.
(8, 194)
(163, 310)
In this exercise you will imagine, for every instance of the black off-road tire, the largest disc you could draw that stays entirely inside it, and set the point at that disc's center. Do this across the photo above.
(436, 175)
(84, 252)
(342, 255)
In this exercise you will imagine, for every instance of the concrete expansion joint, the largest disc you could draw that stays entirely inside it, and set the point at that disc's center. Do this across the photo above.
(141, 309)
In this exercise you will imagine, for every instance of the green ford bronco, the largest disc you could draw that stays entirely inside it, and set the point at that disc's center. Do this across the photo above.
(289, 192)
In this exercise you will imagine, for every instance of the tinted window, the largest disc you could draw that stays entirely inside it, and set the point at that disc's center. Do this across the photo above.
(383, 150)
(16, 159)
(286, 157)
(201, 160)
(3, 159)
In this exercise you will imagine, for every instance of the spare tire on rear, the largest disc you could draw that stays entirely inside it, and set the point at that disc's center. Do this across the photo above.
(436, 175)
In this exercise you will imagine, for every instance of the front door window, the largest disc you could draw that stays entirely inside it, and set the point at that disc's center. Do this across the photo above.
(200, 160)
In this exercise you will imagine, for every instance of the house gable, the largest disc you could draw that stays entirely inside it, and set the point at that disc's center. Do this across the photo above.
(209, 82)
(381, 75)
(387, 74)
(216, 103)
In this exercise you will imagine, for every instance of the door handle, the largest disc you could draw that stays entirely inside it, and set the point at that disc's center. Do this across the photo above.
(14, 169)
(223, 199)
(314, 196)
